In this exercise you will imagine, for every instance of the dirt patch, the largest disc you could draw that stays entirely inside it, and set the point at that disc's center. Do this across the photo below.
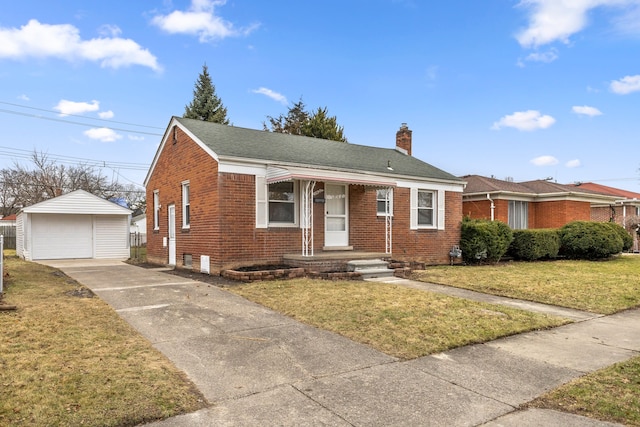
(81, 292)
(219, 281)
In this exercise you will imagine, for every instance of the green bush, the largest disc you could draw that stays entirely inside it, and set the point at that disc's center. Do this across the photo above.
(530, 245)
(484, 241)
(589, 240)
(627, 240)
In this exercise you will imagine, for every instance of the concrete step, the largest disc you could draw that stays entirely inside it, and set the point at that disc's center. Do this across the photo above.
(375, 273)
(370, 268)
(365, 264)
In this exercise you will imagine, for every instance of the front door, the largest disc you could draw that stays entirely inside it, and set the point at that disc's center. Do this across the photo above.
(172, 234)
(336, 219)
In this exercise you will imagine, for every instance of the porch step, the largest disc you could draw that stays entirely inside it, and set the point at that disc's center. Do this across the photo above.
(370, 268)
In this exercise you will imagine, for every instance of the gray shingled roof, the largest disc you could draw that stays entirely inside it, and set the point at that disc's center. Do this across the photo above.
(235, 142)
(483, 184)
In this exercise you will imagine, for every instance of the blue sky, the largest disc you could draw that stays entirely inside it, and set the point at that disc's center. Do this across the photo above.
(523, 89)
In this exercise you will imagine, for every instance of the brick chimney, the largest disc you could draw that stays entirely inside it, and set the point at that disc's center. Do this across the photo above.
(403, 139)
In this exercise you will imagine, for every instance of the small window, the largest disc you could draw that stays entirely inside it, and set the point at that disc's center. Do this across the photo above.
(187, 260)
(156, 210)
(384, 201)
(186, 211)
(282, 203)
(426, 208)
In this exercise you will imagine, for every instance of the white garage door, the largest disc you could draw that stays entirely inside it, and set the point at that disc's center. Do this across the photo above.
(61, 236)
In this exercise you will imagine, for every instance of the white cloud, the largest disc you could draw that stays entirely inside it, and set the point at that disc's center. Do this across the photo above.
(548, 56)
(66, 107)
(63, 42)
(626, 85)
(557, 20)
(271, 94)
(103, 134)
(200, 20)
(529, 120)
(573, 163)
(586, 110)
(106, 114)
(544, 161)
(23, 97)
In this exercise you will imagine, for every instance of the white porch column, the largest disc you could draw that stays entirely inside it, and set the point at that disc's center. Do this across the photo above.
(388, 223)
(307, 217)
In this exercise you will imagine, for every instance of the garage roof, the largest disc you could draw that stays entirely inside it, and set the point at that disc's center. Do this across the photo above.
(78, 202)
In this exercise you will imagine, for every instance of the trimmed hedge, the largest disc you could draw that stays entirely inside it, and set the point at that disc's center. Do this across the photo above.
(484, 241)
(589, 240)
(627, 239)
(530, 245)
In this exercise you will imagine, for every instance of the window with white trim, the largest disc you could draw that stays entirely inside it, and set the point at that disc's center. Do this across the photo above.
(518, 215)
(186, 206)
(156, 210)
(426, 208)
(282, 203)
(381, 201)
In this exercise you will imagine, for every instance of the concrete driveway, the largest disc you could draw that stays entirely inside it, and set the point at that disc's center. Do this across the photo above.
(257, 367)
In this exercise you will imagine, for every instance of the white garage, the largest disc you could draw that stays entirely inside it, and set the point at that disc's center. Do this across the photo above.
(74, 225)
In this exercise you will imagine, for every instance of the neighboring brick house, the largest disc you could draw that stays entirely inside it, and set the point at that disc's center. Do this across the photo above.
(531, 204)
(223, 196)
(625, 211)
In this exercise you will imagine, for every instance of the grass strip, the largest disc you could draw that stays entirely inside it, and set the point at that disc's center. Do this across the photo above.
(402, 322)
(69, 361)
(610, 394)
(603, 287)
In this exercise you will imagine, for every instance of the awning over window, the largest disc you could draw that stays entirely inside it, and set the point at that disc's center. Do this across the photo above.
(280, 174)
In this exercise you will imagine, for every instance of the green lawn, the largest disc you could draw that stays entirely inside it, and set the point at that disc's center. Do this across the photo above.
(399, 321)
(602, 287)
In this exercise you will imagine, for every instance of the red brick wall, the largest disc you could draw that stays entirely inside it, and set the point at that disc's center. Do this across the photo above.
(604, 213)
(179, 162)
(481, 209)
(555, 214)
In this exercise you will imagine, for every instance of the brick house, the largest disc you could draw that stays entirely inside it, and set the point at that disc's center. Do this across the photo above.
(222, 197)
(625, 211)
(531, 204)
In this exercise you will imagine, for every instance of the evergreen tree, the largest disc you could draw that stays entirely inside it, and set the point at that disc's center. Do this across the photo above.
(206, 105)
(320, 125)
(299, 122)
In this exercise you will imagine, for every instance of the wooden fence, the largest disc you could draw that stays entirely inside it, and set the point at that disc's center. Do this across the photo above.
(9, 233)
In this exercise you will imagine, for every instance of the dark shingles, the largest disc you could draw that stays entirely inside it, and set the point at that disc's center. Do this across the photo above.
(235, 142)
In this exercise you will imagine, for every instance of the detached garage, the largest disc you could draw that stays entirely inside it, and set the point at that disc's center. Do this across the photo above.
(74, 225)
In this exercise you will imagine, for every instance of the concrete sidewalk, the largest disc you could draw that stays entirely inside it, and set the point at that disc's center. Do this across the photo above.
(258, 367)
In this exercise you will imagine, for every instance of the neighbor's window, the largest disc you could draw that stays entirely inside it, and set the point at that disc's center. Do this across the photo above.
(282, 203)
(186, 212)
(381, 201)
(518, 215)
(426, 208)
(156, 210)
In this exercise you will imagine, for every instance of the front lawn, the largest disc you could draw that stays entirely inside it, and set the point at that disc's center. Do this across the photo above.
(603, 287)
(69, 360)
(611, 394)
(396, 320)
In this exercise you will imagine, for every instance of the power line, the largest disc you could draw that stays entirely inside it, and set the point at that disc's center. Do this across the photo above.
(78, 115)
(28, 155)
(53, 119)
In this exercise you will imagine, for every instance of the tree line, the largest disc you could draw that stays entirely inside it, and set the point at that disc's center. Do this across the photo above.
(22, 186)
(207, 106)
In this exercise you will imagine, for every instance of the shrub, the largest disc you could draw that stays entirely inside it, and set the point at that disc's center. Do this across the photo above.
(482, 240)
(531, 245)
(589, 240)
(627, 240)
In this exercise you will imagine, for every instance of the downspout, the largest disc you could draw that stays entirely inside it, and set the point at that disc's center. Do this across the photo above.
(493, 207)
